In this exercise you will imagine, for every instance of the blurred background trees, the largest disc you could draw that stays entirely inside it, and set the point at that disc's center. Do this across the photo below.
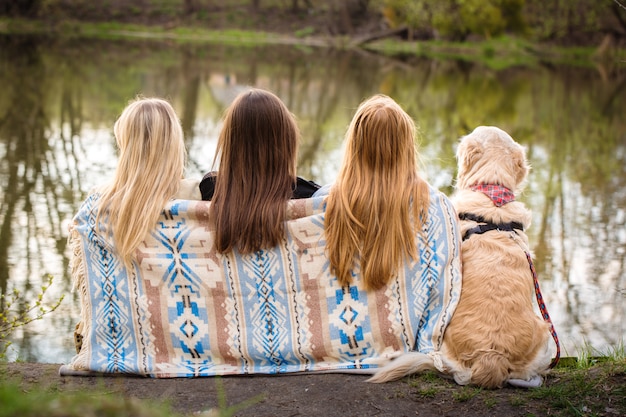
(568, 22)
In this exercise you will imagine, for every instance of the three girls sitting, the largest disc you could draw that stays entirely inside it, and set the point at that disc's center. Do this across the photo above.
(387, 278)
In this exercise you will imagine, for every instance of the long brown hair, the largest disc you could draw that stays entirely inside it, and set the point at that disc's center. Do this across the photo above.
(379, 202)
(150, 166)
(257, 150)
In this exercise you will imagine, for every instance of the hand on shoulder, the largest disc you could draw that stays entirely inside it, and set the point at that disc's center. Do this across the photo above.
(189, 189)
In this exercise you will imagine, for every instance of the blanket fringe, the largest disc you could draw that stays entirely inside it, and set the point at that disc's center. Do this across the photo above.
(79, 284)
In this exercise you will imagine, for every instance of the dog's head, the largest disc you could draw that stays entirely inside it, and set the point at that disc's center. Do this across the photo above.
(489, 155)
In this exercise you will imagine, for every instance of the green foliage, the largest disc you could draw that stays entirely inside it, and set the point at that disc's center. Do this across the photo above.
(561, 20)
(415, 14)
(16, 312)
(35, 403)
(304, 32)
(482, 17)
(447, 21)
(567, 20)
(456, 19)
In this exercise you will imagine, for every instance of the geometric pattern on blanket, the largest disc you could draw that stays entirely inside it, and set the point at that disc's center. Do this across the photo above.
(184, 310)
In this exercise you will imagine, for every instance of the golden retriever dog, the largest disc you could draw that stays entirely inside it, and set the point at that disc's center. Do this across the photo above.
(495, 336)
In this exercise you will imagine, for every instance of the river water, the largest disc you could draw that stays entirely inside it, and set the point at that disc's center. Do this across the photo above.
(60, 98)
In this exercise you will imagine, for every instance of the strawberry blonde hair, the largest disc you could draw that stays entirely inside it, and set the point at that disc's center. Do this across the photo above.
(150, 166)
(379, 201)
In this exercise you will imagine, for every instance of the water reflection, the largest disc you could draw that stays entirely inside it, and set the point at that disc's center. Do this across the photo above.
(60, 99)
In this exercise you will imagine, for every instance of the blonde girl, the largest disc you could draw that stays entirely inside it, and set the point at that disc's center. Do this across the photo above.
(149, 170)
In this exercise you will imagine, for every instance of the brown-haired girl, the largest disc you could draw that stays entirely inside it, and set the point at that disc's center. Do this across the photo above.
(257, 153)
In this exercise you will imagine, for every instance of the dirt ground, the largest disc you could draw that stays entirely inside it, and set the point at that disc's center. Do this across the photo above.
(298, 395)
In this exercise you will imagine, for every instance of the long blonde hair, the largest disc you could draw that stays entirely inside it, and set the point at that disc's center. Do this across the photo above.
(257, 150)
(150, 166)
(379, 202)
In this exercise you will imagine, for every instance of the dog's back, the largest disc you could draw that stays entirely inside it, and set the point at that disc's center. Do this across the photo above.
(495, 331)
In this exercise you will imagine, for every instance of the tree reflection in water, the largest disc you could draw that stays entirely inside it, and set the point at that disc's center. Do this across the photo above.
(61, 98)
(37, 195)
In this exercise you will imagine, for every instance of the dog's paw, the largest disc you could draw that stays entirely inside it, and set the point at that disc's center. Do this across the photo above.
(533, 382)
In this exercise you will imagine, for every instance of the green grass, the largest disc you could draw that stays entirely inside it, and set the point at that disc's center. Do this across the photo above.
(586, 385)
(36, 403)
(490, 401)
(304, 32)
(428, 392)
(617, 352)
(466, 393)
(518, 401)
(587, 388)
(115, 30)
(52, 402)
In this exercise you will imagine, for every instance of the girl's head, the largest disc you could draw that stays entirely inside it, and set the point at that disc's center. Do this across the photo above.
(259, 137)
(257, 152)
(379, 201)
(150, 166)
(380, 142)
(150, 139)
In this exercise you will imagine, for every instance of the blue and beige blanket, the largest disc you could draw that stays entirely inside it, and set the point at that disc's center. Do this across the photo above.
(184, 310)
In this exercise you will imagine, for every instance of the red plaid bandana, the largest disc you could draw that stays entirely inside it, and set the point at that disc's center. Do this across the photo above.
(499, 194)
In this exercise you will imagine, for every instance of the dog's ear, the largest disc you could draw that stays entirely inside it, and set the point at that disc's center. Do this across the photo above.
(521, 166)
(468, 152)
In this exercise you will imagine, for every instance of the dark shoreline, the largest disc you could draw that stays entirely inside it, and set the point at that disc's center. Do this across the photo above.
(498, 53)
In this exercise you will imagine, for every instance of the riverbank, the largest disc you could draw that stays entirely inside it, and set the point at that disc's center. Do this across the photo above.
(497, 53)
(598, 390)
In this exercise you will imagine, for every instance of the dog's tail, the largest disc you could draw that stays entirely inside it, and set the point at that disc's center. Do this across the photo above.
(406, 364)
(490, 368)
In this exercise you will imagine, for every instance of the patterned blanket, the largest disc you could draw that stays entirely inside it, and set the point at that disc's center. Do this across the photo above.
(185, 310)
